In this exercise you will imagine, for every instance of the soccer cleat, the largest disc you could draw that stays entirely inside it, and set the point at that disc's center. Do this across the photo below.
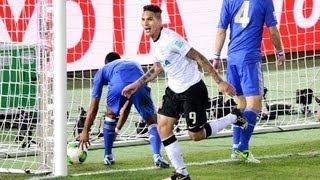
(178, 176)
(160, 162)
(241, 121)
(108, 161)
(246, 156)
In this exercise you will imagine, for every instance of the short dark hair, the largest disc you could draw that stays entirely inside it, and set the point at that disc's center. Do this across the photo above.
(153, 8)
(111, 56)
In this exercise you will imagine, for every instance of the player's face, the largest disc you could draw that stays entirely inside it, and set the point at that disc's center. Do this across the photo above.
(151, 24)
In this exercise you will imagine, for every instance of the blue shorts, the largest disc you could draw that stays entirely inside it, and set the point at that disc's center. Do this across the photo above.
(246, 77)
(141, 99)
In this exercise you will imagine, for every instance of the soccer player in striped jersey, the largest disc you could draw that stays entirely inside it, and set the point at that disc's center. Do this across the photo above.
(186, 93)
(246, 19)
(116, 74)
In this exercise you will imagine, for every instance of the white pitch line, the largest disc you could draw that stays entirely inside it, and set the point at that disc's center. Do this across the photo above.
(310, 153)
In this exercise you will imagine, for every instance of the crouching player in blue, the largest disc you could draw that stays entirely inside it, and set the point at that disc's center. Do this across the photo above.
(116, 74)
(246, 19)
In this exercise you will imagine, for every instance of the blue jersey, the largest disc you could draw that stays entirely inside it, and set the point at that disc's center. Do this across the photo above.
(116, 75)
(246, 19)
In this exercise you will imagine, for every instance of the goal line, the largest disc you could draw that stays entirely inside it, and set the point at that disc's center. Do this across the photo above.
(203, 163)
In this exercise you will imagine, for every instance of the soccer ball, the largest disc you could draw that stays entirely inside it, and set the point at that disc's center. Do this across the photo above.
(75, 155)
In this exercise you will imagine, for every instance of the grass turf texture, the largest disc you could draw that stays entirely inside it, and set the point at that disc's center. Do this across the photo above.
(204, 156)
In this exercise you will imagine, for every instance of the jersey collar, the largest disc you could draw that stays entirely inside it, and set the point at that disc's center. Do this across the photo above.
(159, 35)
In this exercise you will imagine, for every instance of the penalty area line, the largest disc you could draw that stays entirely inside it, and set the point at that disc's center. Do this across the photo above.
(310, 153)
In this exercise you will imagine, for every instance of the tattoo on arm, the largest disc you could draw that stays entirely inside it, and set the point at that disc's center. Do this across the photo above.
(204, 63)
(147, 76)
(151, 74)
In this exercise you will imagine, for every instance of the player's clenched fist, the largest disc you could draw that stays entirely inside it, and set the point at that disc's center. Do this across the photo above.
(130, 89)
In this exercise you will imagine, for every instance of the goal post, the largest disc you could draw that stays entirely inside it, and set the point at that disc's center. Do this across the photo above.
(33, 116)
(59, 88)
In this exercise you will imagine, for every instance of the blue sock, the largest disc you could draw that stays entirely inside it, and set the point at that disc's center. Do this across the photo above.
(236, 135)
(109, 135)
(251, 116)
(154, 138)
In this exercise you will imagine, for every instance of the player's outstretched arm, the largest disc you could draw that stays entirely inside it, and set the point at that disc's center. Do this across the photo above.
(276, 41)
(224, 87)
(91, 115)
(155, 70)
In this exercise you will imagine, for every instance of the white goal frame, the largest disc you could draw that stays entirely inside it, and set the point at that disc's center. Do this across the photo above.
(59, 88)
(51, 149)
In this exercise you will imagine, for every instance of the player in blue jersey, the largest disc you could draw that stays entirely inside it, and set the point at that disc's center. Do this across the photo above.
(116, 74)
(246, 20)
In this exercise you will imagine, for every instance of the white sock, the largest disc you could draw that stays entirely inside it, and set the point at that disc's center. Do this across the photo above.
(221, 123)
(110, 156)
(175, 156)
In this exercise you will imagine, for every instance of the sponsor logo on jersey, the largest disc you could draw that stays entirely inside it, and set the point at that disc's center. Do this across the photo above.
(179, 44)
(166, 63)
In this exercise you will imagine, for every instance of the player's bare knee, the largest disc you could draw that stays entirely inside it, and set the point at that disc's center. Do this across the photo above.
(254, 102)
(196, 136)
(165, 128)
(241, 102)
(151, 120)
(110, 114)
(162, 128)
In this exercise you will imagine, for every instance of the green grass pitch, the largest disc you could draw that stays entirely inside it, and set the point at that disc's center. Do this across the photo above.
(286, 155)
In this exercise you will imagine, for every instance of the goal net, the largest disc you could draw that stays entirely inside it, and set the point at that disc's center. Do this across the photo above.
(97, 27)
(290, 90)
(27, 111)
